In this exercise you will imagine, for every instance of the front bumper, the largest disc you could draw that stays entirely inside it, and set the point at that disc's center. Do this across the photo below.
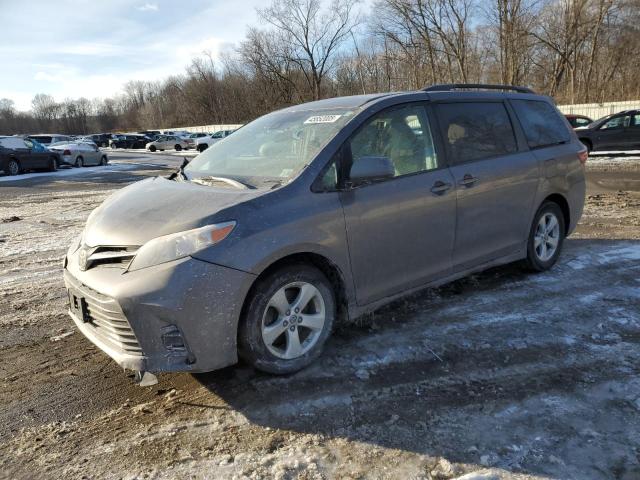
(178, 316)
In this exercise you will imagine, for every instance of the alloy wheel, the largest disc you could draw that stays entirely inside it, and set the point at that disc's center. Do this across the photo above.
(293, 320)
(546, 237)
(14, 168)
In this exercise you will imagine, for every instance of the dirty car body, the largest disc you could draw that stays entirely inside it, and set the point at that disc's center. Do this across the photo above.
(149, 286)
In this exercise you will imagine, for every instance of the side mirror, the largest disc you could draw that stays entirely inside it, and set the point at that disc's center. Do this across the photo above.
(371, 169)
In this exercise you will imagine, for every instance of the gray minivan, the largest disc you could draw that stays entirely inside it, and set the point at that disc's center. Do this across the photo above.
(321, 212)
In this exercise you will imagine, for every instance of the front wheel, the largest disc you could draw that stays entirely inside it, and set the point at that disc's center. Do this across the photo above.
(13, 167)
(79, 162)
(289, 316)
(178, 148)
(152, 148)
(103, 161)
(545, 237)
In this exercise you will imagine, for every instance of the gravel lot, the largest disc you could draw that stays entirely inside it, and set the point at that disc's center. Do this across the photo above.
(502, 375)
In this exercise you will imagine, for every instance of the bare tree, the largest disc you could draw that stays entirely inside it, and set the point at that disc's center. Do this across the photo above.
(315, 35)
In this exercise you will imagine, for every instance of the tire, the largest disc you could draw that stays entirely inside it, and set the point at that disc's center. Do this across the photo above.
(588, 144)
(103, 161)
(202, 147)
(152, 148)
(178, 148)
(542, 239)
(13, 167)
(79, 162)
(53, 164)
(278, 352)
(104, 144)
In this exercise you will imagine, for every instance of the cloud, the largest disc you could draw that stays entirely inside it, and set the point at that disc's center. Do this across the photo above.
(148, 7)
(48, 77)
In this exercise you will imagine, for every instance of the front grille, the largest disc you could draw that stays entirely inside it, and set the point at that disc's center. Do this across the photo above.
(118, 257)
(105, 317)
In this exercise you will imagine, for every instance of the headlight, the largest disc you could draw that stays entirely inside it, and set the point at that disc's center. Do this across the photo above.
(179, 245)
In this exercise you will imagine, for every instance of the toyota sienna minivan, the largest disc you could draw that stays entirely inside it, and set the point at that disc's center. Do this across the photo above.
(318, 213)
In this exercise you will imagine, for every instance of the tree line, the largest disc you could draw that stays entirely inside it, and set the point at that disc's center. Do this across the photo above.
(577, 51)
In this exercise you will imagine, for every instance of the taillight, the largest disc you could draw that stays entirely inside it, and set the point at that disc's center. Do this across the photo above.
(66, 152)
(583, 155)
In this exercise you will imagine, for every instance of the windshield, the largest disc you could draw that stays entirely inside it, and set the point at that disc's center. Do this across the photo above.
(272, 149)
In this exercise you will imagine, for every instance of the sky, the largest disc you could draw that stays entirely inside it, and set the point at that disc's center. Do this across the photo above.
(90, 48)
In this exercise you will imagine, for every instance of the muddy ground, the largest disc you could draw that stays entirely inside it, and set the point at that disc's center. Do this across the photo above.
(503, 375)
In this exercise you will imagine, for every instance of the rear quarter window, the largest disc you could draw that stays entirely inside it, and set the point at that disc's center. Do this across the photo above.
(476, 130)
(542, 124)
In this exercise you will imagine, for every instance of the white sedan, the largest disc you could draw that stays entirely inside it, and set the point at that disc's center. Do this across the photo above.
(168, 142)
(80, 154)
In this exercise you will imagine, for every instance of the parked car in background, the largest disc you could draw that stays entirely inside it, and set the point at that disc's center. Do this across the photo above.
(177, 133)
(100, 139)
(47, 139)
(168, 142)
(205, 142)
(80, 154)
(151, 133)
(128, 141)
(617, 132)
(578, 120)
(19, 154)
(192, 137)
(318, 213)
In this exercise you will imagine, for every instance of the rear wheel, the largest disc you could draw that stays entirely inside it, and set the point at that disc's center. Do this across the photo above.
(545, 237)
(13, 167)
(53, 164)
(202, 147)
(178, 148)
(288, 318)
(103, 161)
(152, 148)
(79, 162)
(587, 143)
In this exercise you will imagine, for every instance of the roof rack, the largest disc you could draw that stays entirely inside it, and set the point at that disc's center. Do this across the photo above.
(479, 86)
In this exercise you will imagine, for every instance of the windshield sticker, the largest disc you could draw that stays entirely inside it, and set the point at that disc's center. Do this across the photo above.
(322, 119)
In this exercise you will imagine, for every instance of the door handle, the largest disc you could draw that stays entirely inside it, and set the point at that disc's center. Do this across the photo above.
(440, 187)
(468, 180)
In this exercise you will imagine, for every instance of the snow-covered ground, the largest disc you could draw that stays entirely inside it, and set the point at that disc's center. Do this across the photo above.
(503, 375)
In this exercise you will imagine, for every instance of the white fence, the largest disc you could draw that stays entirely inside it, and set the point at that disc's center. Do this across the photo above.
(597, 110)
(202, 128)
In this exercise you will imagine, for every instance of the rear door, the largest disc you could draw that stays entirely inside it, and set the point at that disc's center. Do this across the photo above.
(496, 180)
(400, 230)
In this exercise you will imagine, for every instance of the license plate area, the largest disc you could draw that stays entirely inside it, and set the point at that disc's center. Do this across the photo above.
(78, 306)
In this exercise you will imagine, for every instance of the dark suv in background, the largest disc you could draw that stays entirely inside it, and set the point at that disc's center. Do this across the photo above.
(319, 212)
(129, 141)
(617, 132)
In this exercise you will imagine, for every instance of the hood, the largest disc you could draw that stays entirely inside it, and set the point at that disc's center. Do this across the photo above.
(157, 206)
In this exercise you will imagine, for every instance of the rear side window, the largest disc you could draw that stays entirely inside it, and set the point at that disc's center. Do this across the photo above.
(582, 122)
(541, 122)
(473, 131)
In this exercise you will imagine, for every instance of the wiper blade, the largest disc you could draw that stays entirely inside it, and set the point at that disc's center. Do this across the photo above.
(230, 181)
